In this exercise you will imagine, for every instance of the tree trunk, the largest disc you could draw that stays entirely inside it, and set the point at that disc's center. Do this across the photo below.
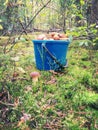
(63, 14)
(94, 12)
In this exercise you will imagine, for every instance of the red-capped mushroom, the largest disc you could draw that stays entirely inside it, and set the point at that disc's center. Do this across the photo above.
(35, 76)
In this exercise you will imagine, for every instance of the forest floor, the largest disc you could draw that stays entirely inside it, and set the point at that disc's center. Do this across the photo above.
(64, 100)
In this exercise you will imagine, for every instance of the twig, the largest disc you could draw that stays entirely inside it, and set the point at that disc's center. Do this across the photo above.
(22, 26)
(24, 29)
(35, 17)
(7, 104)
(14, 79)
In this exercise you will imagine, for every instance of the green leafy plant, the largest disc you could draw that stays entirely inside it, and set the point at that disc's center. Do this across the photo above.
(91, 34)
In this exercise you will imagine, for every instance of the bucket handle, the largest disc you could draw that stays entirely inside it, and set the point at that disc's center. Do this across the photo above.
(54, 58)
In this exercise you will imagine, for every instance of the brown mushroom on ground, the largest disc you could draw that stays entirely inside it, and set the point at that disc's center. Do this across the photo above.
(35, 76)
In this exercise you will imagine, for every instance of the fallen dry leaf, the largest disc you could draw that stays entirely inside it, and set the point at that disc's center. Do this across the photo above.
(26, 128)
(23, 119)
(15, 74)
(21, 69)
(53, 72)
(51, 81)
(15, 58)
(28, 88)
(46, 106)
(16, 102)
(20, 122)
(26, 117)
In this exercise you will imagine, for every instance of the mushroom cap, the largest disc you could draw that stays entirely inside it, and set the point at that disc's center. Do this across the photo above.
(34, 74)
(41, 37)
(56, 37)
(61, 35)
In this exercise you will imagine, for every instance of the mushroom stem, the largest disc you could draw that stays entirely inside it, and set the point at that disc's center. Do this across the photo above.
(35, 79)
(35, 76)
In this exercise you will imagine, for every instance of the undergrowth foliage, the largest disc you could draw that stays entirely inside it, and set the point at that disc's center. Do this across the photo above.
(59, 100)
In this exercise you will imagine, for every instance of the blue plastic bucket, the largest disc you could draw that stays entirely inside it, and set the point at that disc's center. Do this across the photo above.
(50, 54)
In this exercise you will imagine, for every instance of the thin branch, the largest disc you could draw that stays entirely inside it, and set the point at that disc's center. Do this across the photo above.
(35, 16)
(22, 26)
(24, 29)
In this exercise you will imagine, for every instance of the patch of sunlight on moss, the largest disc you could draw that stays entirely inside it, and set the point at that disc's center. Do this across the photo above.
(78, 71)
(85, 97)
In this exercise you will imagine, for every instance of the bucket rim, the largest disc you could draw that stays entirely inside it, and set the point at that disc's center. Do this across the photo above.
(51, 41)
